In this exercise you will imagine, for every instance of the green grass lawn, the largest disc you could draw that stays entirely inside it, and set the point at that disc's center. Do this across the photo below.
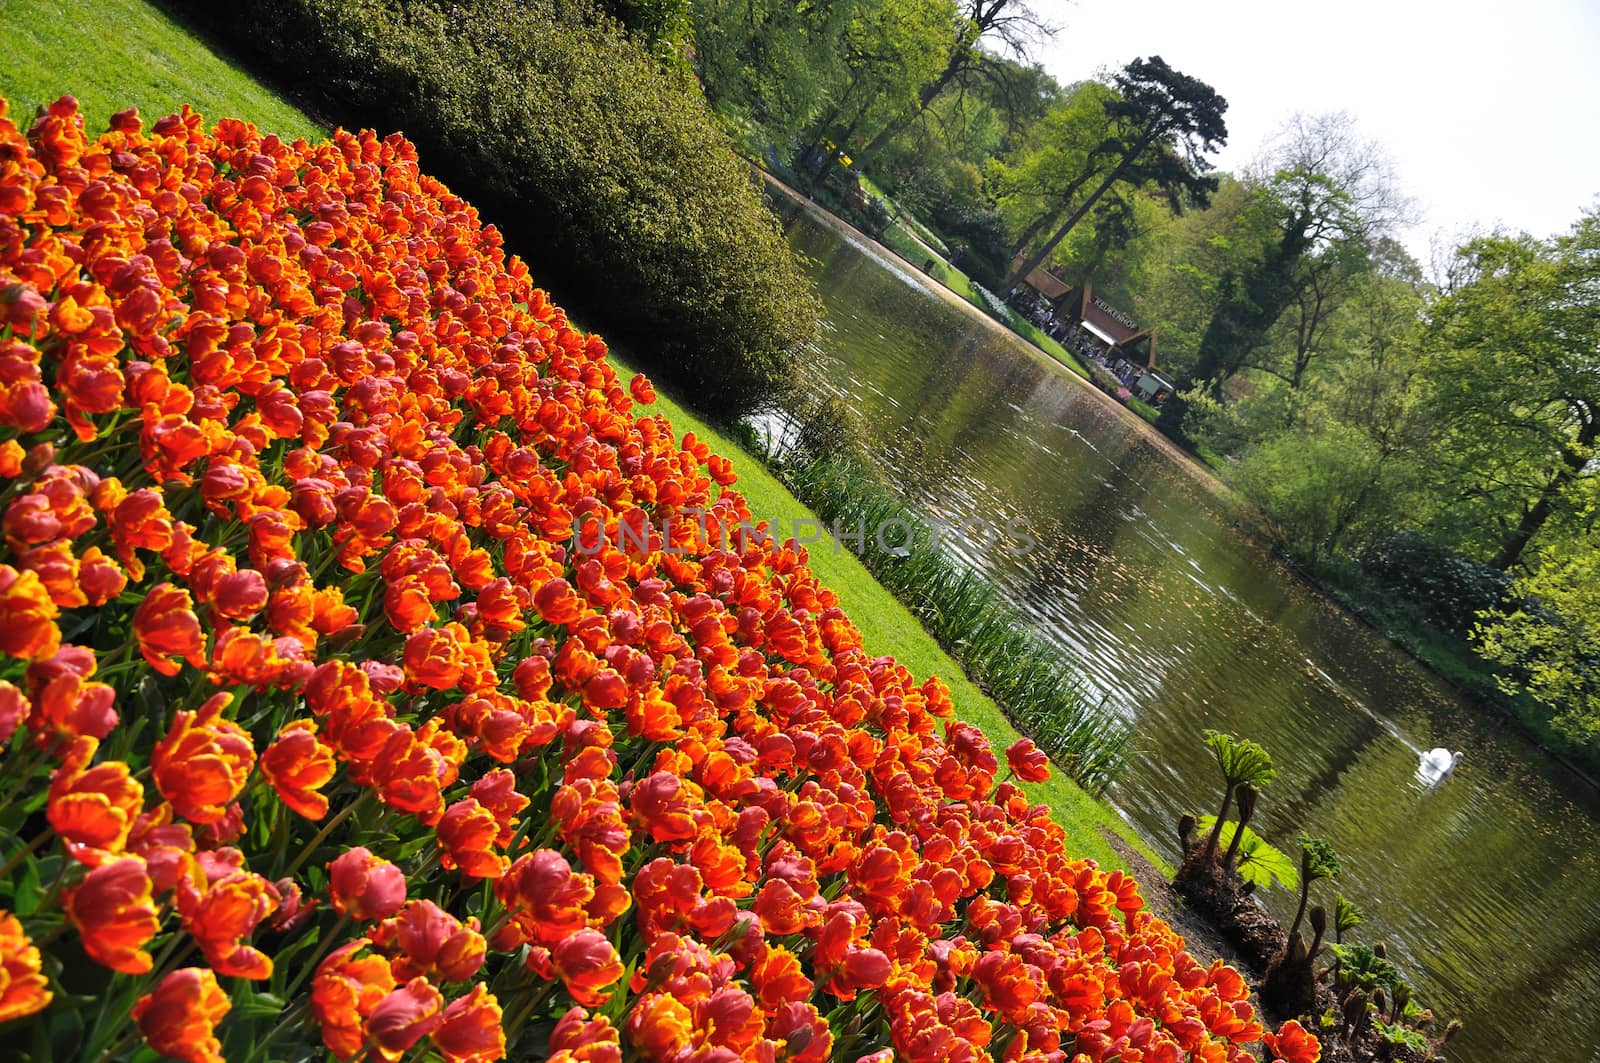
(899, 239)
(1145, 410)
(1022, 326)
(115, 54)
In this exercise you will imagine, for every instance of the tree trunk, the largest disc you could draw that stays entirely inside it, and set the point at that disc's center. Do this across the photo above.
(1018, 275)
(1573, 460)
(1029, 233)
(925, 98)
(833, 116)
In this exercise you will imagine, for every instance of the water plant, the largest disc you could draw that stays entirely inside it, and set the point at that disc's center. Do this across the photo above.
(1242, 762)
(1257, 861)
(1347, 915)
(1318, 861)
(1246, 797)
(1036, 682)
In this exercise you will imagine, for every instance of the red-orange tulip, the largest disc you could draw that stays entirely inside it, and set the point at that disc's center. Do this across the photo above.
(93, 808)
(298, 766)
(115, 915)
(346, 989)
(14, 709)
(404, 1017)
(23, 989)
(223, 916)
(580, 1039)
(69, 706)
(1027, 761)
(1292, 1044)
(470, 1029)
(179, 1017)
(546, 898)
(467, 834)
(27, 616)
(202, 763)
(588, 964)
(426, 940)
(364, 887)
(168, 629)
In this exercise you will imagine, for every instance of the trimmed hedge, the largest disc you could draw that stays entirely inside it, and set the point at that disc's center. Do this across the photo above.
(603, 166)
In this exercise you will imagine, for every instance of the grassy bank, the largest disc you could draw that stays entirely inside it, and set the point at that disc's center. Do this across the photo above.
(118, 53)
(115, 54)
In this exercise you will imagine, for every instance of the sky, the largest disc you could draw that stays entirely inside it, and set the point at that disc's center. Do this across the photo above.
(1489, 111)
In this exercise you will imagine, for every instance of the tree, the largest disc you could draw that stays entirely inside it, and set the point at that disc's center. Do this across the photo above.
(1035, 183)
(1363, 214)
(1010, 24)
(1514, 360)
(779, 65)
(1341, 459)
(1331, 196)
(1176, 285)
(1552, 641)
(890, 48)
(1160, 124)
(935, 168)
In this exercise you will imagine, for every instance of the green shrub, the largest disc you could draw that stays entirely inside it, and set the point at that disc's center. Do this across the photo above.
(602, 165)
(1451, 589)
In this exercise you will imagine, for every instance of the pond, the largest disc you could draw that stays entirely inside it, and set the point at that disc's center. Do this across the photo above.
(1486, 887)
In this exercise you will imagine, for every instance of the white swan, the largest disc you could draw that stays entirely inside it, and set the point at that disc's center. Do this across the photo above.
(1437, 764)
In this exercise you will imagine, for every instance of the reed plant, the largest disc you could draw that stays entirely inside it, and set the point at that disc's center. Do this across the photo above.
(1000, 648)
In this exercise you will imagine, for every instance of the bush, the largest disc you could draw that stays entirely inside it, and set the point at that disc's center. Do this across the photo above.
(1450, 588)
(604, 167)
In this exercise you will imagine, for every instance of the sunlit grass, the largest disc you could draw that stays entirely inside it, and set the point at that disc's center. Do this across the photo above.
(115, 54)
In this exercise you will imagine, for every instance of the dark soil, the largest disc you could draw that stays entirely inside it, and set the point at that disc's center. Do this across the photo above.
(1203, 938)
(1220, 921)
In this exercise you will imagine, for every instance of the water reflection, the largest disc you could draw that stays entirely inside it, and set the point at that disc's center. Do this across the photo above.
(1483, 885)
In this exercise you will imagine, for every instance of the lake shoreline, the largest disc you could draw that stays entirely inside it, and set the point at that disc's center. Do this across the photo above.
(1200, 472)
(1241, 512)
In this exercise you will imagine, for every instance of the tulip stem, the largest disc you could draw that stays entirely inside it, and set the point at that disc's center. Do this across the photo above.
(536, 998)
(498, 925)
(165, 963)
(327, 829)
(20, 773)
(322, 950)
(293, 1015)
(43, 836)
(111, 1052)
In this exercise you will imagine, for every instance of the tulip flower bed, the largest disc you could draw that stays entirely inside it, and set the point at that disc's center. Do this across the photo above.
(325, 732)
